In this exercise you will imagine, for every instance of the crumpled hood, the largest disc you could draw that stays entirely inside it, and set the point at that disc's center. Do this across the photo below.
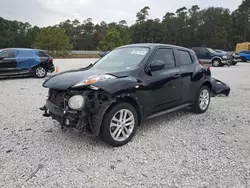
(68, 79)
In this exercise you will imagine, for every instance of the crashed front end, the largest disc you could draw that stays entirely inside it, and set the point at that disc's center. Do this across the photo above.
(79, 109)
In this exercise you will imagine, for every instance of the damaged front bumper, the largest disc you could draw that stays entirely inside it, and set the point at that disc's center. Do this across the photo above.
(219, 88)
(87, 120)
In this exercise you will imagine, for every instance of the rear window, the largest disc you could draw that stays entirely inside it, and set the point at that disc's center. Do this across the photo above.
(185, 57)
(25, 54)
(42, 54)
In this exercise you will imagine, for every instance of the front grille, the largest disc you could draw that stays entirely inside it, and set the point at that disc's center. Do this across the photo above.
(57, 97)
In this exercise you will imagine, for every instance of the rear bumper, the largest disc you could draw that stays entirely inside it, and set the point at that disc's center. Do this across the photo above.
(219, 87)
(51, 67)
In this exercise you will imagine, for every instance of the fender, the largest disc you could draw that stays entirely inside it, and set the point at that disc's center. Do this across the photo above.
(120, 89)
(216, 57)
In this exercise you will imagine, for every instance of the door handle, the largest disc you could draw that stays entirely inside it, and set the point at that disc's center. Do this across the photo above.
(177, 75)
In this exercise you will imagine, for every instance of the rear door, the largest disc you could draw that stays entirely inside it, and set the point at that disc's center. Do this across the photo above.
(8, 62)
(188, 63)
(27, 59)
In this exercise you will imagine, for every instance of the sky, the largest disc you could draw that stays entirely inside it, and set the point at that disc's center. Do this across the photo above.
(51, 12)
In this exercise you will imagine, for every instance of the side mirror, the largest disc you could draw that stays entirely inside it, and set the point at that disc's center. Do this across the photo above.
(156, 65)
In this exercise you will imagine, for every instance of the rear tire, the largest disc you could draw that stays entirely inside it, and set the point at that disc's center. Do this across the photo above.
(216, 63)
(243, 59)
(41, 72)
(202, 100)
(117, 131)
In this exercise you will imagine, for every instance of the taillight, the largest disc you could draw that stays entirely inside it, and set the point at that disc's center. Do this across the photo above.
(50, 60)
(208, 67)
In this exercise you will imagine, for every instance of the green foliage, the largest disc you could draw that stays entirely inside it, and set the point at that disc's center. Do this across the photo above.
(52, 38)
(214, 27)
(111, 41)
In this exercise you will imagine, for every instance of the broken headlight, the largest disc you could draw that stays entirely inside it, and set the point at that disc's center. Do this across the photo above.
(94, 79)
(76, 102)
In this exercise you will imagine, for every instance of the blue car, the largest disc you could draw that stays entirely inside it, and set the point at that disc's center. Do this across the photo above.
(245, 55)
(24, 61)
(208, 55)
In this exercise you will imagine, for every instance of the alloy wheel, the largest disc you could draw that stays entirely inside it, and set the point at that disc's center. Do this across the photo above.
(216, 63)
(122, 125)
(204, 99)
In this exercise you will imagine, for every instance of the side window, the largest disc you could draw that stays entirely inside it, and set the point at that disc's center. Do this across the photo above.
(166, 55)
(194, 57)
(42, 54)
(185, 57)
(7, 54)
(197, 51)
(25, 53)
(204, 51)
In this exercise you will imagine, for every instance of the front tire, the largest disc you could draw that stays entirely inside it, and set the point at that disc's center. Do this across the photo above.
(234, 63)
(202, 100)
(41, 72)
(119, 125)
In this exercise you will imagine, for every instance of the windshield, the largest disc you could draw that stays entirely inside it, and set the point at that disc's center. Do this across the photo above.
(211, 50)
(220, 51)
(122, 59)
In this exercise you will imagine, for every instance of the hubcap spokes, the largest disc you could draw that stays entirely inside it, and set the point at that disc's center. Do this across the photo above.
(122, 125)
(216, 63)
(204, 99)
(40, 72)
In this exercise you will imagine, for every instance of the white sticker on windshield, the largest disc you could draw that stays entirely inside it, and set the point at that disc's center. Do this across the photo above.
(138, 52)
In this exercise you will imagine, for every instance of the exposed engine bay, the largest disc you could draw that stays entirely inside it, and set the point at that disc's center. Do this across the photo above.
(87, 119)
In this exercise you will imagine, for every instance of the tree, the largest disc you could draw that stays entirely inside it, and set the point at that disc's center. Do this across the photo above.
(214, 27)
(111, 41)
(52, 38)
(142, 15)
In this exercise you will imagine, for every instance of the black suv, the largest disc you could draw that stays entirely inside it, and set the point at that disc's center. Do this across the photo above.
(20, 61)
(132, 83)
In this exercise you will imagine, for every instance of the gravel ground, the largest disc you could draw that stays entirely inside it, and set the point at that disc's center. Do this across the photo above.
(177, 150)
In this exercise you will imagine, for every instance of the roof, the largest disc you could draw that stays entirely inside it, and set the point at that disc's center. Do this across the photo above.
(153, 45)
(21, 49)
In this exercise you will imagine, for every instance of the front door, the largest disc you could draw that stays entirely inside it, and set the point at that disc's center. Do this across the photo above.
(7, 62)
(164, 85)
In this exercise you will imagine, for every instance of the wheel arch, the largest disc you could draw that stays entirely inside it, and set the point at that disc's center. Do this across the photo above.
(216, 57)
(97, 119)
(132, 101)
(207, 83)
